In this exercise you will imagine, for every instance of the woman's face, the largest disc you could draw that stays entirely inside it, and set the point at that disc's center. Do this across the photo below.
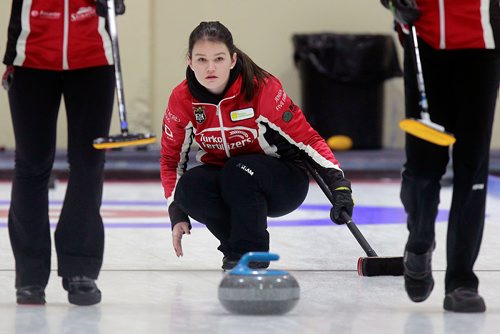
(211, 64)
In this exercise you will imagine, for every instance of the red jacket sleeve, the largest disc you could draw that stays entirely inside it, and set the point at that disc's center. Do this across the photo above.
(281, 114)
(176, 141)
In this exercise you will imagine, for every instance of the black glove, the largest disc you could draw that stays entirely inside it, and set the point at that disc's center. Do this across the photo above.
(342, 201)
(101, 7)
(404, 11)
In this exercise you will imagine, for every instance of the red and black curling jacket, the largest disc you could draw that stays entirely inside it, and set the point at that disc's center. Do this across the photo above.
(269, 124)
(459, 24)
(57, 35)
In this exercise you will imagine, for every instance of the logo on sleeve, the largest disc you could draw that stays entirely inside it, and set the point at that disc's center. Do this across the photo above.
(287, 116)
(168, 132)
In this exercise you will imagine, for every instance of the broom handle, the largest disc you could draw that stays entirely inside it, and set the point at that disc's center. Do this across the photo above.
(350, 223)
(122, 110)
(420, 76)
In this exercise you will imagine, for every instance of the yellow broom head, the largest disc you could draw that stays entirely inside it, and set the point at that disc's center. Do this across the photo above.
(123, 140)
(428, 132)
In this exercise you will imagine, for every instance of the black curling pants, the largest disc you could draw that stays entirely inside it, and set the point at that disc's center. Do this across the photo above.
(235, 200)
(34, 98)
(462, 88)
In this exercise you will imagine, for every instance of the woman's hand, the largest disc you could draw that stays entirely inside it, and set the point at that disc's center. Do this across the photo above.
(178, 231)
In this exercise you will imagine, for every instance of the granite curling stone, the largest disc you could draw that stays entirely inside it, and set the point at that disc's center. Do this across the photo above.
(247, 291)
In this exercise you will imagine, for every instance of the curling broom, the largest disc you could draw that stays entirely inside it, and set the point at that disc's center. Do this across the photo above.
(424, 128)
(373, 265)
(124, 138)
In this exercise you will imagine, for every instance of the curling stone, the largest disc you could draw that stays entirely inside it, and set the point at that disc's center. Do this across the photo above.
(248, 291)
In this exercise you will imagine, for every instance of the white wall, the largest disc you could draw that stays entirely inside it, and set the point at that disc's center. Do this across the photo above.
(154, 35)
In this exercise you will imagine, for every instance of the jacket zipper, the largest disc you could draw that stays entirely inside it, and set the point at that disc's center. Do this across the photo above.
(222, 132)
(442, 30)
(65, 36)
(221, 123)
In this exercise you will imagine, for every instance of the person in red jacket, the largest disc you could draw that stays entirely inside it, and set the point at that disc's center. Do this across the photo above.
(58, 49)
(251, 140)
(459, 44)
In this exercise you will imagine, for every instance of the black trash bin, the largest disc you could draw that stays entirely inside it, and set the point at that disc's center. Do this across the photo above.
(342, 78)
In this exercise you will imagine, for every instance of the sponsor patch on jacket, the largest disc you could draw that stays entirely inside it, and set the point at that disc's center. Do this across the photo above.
(199, 114)
(83, 13)
(43, 14)
(239, 115)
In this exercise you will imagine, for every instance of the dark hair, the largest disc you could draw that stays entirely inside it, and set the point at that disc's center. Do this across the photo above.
(215, 31)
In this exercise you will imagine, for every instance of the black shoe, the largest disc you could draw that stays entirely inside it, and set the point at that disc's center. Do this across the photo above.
(464, 300)
(259, 265)
(229, 263)
(82, 290)
(30, 295)
(418, 275)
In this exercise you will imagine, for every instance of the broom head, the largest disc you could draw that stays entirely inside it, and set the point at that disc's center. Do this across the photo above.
(122, 140)
(427, 131)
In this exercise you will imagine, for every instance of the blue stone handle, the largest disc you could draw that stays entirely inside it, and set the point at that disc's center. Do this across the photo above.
(242, 267)
(258, 257)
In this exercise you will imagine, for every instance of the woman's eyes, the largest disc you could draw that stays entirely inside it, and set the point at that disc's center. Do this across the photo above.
(204, 60)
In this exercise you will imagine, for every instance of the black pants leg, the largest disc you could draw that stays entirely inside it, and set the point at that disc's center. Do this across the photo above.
(238, 198)
(425, 162)
(198, 194)
(462, 87)
(79, 236)
(34, 101)
(475, 106)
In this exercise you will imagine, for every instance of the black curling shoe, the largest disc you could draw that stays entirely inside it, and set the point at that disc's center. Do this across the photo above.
(30, 295)
(229, 263)
(82, 290)
(418, 275)
(464, 300)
